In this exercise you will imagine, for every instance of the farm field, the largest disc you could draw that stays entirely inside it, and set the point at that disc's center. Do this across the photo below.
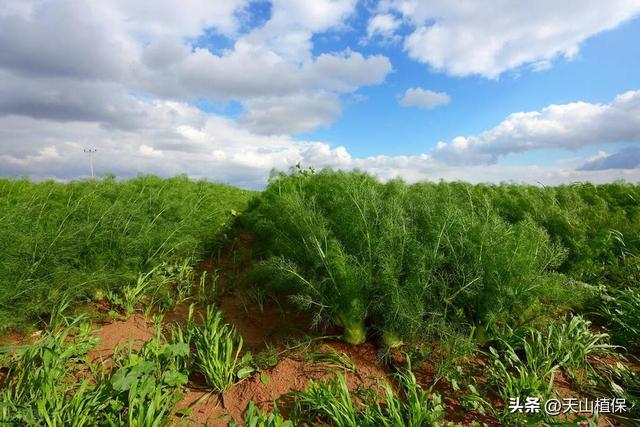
(330, 298)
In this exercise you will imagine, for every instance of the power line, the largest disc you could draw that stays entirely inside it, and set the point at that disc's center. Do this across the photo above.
(91, 152)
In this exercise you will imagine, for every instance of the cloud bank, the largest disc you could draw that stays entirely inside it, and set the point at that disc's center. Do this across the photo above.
(170, 137)
(490, 37)
(125, 76)
(627, 158)
(570, 126)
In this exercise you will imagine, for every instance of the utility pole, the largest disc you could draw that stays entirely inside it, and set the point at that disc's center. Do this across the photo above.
(91, 152)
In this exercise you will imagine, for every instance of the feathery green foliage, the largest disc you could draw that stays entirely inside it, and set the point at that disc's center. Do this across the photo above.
(449, 268)
(399, 258)
(83, 238)
(621, 311)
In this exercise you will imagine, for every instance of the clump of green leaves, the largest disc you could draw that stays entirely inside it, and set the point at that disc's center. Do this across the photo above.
(417, 408)
(52, 382)
(530, 374)
(254, 417)
(144, 395)
(217, 351)
(329, 359)
(134, 293)
(574, 343)
(330, 401)
(165, 286)
(528, 359)
(620, 382)
(40, 386)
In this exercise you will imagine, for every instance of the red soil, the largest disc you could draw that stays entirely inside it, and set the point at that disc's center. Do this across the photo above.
(12, 338)
(133, 331)
(271, 326)
(288, 375)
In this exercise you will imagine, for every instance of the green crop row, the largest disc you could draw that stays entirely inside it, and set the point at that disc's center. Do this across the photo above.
(396, 260)
(83, 239)
(510, 275)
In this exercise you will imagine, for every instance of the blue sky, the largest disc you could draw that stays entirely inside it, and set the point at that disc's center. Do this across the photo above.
(608, 64)
(229, 90)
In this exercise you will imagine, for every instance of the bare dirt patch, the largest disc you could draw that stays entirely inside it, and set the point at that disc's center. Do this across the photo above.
(206, 410)
(133, 331)
(287, 376)
(369, 369)
(211, 409)
(12, 338)
(269, 325)
(290, 374)
(565, 388)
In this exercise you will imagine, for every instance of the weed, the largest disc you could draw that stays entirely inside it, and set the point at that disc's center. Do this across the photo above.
(173, 281)
(329, 359)
(217, 351)
(254, 417)
(574, 342)
(525, 372)
(418, 408)
(526, 365)
(41, 388)
(133, 294)
(329, 401)
(143, 400)
(452, 348)
(266, 359)
(620, 382)
(207, 292)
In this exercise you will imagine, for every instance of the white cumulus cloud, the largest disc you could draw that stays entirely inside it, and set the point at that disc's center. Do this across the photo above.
(490, 37)
(123, 77)
(569, 126)
(145, 48)
(291, 115)
(383, 25)
(423, 98)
